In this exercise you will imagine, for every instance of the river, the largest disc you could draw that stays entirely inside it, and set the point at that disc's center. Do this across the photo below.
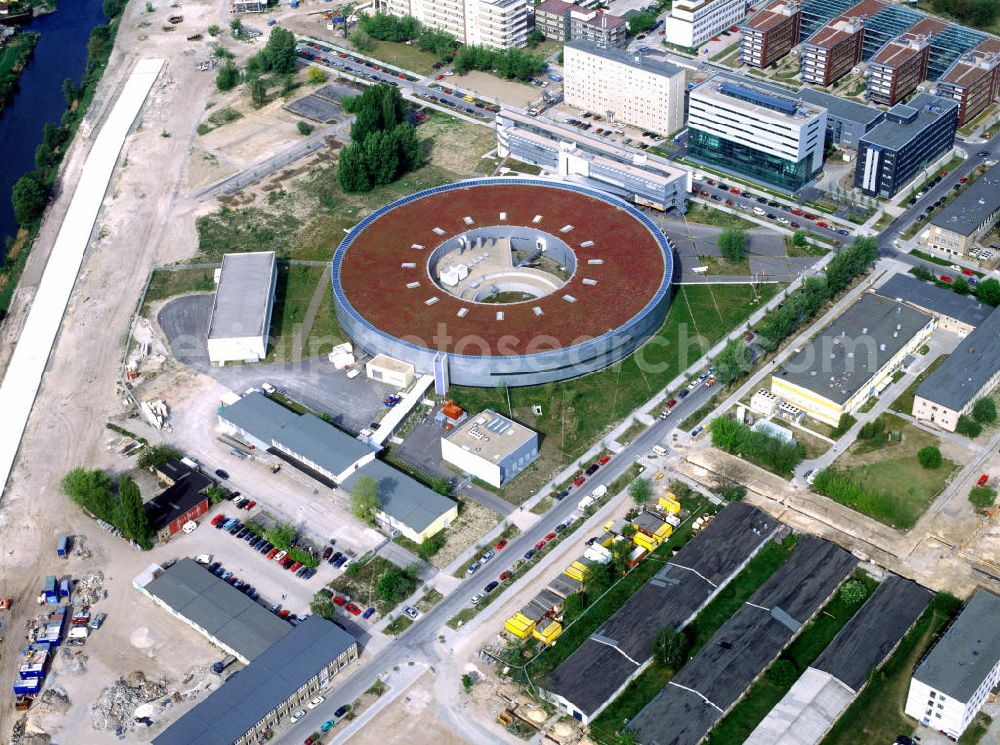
(61, 53)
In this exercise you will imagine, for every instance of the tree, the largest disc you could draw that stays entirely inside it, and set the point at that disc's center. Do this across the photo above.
(853, 592)
(535, 38)
(322, 606)
(929, 457)
(597, 581)
(620, 552)
(573, 606)
(381, 157)
(984, 411)
(258, 92)
(28, 196)
(733, 244)
(214, 30)
(315, 76)
(132, 515)
(641, 21)
(365, 500)
(280, 51)
(91, 489)
(153, 456)
(988, 292)
(236, 26)
(640, 490)
(70, 91)
(215, 494)
(396, 584)
(982, 496)
(733, 362)
(961, 286)
(968, 427)
(408, 148)
(227, 77)
(352, 170)
(626, 737)
(670, 648)
(799, 238)
(467, 682)
(442, 485)
(361, 41)
(304, 128)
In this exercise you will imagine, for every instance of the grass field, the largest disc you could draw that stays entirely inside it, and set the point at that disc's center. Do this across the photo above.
(778, 679)
(399, 54)
(578, 412)
(876, 716)
(166, 283)
(295, 290)
(717, 265)
(904, 401)
(704, 215)
(360, 586)
(644, 688)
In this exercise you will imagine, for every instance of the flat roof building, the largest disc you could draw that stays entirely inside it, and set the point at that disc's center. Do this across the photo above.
(951, 683)
(248, 706)
(580, 158)
(491, 447)
(624, 86)
(770, 33)
(853, 358)
(751, 130)
(691, 23)
(563, 21)
(225, 616)
(241, 312)
(912, 136)
(846, 121)
(973, 213)
(970, 372)
(959, 314)
(498, 24)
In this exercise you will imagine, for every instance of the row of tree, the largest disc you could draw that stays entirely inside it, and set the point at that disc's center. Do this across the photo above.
(383, 146)
(978, 13)
(93, 490)
(987, 290)
(406, 28)
(510, 63)
(773, 453)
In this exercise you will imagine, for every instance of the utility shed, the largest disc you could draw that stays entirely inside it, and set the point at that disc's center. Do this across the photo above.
(241, 312)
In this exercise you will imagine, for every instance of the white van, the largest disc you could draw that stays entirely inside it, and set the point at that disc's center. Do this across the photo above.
(586, 502)
(599, 492)
(190, 526)
(659, 450)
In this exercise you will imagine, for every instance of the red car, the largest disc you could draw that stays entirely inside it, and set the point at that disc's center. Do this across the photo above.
(982, 480)
(797, 212)
(420, 116)
(550, 536)
(296, 566)
(578, 481)
(439, 77)
(284, 613)
(249, 505)
(342, 55)
(338, 600)
(807, 216)
(710, 182)
(822, 224)
(946, 279)
(500, 546)
(218, 519)
(376, 67)
(604, 459)
(963, 180)
(671, 403)
(967, 272)
(540, 545)
(353, 609)
(943, 174)
(734, 190)
(272, 553)
(504, 576)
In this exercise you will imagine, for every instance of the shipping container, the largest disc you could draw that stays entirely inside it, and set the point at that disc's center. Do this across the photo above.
(669, 504)
(62, 548)
(51, 591)
(32, 685)
(644, 541)
(519, 626)
(577, 570)
(79, 632)
(548, 634)
(64, 587)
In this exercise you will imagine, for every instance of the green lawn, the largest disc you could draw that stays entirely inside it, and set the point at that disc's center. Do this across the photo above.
(763, 695)
(166, 283)
(295, 289)
(360, 585)
(876, 716)
(399, 54)
(904, 401)
(718, 265)
(633, 431)
(578, 412)
(705, 215)
(644, 688)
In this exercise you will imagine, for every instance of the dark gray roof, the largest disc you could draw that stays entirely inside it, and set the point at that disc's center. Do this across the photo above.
(844, 357)
(893, 135)
(962, 376)
(841, 108)
(746, 644)
(632, 59)
(403, 497)
(251, 694)
(602, 664)
(967, 651)
(873, 631)
(934, 299)
(187, 491)
(241, 301)
(260, 416)
(973, 206)
(225, 613)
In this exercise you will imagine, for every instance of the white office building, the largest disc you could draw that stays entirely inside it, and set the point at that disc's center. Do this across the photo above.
(950, 685)
(691, 23)
(241, 312)
(624, 86)
(756, 131)
(498, 24)
(491, 447)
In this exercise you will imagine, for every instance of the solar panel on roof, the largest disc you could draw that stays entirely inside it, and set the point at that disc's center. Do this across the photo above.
(752, 95)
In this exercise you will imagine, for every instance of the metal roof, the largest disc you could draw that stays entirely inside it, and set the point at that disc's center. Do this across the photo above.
(841, 108)
(632, 59)
(243, 295)
(967, 651)
(250, 695)
(845, 355)
(893, 135)
(224, 613)
(403, 498)
(491, 436)
(187, 491)
(973, 206)
(962, 376)
(260, 416)
(934, 299)
(805, 713)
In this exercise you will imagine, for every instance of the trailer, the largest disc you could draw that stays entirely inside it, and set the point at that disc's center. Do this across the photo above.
(62, 548)
(51, 590)
(64, 587)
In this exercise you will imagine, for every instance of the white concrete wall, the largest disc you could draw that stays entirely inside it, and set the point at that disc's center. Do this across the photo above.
(470, 462)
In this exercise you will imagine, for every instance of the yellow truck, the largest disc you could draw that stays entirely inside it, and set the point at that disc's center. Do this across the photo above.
(548, 634)
(520, 626)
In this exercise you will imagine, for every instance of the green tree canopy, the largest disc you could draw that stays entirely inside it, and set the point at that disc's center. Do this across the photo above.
(132, 514)
(28, 196)
(733, 244)
(984, 411)
(91, 489)
(227, 77)
(929, 457)
(640, 490)
(365, 499)
(670, 648)
(279, 53)
(153, 456)
(988, 291)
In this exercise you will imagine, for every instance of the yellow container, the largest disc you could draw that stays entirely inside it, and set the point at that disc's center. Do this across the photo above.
(577, 571)
(520, 626)
(549, 633)
(663, 533)
(669, 504)
(645, 541)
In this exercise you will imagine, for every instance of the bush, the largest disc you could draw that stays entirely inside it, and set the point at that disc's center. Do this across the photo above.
(968, 427)
(365, 499)
(733, 493)
(395, 585)
(988, 292)
(304, 128)
(757, 447)
(670, 648)
(982, 496)
(984, 411)
(315, 76)
(733, 244)
(28, 196)
(873, 430)
(845, 422)
(929, 457)
(839, 486)
(641, 21)
(361, 41)
(430, 546)
(153, 456)
(640, 490)
(799, 238)
(853, 592)
(227, 77)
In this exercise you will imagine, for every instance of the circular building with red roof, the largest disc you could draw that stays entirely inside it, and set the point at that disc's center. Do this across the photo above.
(503, 281)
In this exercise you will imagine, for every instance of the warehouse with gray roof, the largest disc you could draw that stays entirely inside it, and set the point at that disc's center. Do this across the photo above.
(969, 373)
(241, 311)
(960, 314)
(956, 228)
(590, 678)
(248, 706)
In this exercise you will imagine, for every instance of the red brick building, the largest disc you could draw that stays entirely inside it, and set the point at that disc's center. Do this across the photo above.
(973, 81)
(770, 34)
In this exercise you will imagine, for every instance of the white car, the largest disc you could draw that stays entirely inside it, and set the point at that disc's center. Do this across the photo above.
(190, 526)
(783, 220)
(316, 702)
(476, 598)
(280, 555)
(298, 715)
(411, 612)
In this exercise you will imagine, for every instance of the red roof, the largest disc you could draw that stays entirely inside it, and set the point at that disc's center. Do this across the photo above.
(375, 282)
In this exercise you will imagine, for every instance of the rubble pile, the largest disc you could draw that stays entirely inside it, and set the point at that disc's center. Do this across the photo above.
(115, 707)
(89, 588)
(53, 700)
(25, 734)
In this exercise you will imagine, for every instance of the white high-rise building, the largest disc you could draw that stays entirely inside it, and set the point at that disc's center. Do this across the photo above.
(624, 86)
(498, 24)
(691, 23)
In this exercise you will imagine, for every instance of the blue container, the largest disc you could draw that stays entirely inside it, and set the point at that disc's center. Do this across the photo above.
(62, 549)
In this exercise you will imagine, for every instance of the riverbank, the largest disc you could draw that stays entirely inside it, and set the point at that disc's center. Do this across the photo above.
(45, 175)
(14, 55)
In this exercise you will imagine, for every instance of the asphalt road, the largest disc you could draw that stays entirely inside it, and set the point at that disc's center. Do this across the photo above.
(420, 642)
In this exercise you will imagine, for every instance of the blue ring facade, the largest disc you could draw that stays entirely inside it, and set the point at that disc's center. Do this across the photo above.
(510, 370)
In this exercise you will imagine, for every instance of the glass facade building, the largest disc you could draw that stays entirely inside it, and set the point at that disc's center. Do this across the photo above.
(746, 160)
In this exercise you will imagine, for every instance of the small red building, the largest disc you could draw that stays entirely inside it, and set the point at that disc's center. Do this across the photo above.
(183, 500)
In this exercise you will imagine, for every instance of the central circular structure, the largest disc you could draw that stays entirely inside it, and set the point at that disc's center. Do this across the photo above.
(503, 281)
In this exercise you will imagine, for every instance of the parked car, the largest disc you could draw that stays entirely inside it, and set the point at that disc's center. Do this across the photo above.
(342, 711)
(540, 545)
(218, 519)
(280, 555)
(298, 715)
(550, 536)
(486, 557)
(328, 725)
(368, 613)
(97, 621)
(506, 575)
(500, 546)
(982, 480)
(339, 600)
(604, 459)
(491, 587)
(592, 469)
(272, 553)
(578, 481)
(327, 553)
(528, 554)
(473, 567)
(476, 598)
(411, 612)
(316, 702)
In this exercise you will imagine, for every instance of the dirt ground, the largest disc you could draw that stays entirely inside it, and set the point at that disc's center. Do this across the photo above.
(492, 88)
(474, 521)
(399, 722)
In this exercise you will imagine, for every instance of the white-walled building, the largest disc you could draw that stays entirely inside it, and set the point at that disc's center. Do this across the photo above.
(499, 24)
(691, 23)
(241, 312)
(491, 447)
(950, 685)
(624, 86)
